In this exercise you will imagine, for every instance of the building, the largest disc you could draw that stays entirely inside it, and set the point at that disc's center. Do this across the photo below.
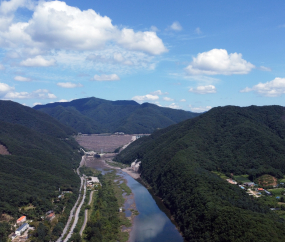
(22, 228)
(249, 184)
(21, 220)
(231, 181)
(51, 216)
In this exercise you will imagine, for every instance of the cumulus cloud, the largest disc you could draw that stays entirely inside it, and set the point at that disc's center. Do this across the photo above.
(167, 99)
(69, 84)
(148, 97)
(272, 88)
(103, 77)
(144, 41)
(203, 89)
(176, 26)
(8, 7)
(22, 79)
(37, 61)
(55, 25)
(183, 100)
(4, 89)
(174, 106)
(199, 109)
(218, 62)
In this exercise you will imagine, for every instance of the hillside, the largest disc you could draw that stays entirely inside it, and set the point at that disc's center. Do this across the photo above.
(178, 162)
(41, 159)
(94, 115)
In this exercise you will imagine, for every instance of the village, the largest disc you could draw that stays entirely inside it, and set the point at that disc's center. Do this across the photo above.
(22, 225)
(272, 191)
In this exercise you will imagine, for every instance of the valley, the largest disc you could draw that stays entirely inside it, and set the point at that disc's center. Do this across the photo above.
(206, 177)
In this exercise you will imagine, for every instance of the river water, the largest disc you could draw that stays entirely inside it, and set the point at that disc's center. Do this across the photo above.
(152, 224)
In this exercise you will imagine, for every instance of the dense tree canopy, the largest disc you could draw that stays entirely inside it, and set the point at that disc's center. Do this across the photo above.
(178, 162)
(42, 159)
(94, 115)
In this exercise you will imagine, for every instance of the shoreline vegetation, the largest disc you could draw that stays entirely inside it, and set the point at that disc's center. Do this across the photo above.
(105, 218)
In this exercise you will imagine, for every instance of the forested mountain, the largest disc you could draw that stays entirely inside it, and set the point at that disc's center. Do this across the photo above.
(42, 158)
(94, 115)
(178, 162)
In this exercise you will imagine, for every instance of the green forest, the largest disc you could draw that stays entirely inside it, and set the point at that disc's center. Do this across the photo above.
(43, 156)
(178, 162)
(94, 115)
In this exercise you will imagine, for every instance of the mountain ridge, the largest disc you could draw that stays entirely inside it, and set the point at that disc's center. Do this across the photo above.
(177, 162)
(94, 115)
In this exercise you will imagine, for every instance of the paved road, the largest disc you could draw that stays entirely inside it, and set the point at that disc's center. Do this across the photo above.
(76, 216)
(71, 214)
(86, 214)
(72, 210)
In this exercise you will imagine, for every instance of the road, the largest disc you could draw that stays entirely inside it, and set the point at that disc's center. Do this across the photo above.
(76, 214)
(86, 214)
(75, 205)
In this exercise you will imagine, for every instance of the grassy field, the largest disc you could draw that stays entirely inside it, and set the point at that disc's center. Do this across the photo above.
(220, 174)
(242, 178)
(277, 191)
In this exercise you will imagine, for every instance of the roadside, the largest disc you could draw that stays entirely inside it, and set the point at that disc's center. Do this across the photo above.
(86, 214)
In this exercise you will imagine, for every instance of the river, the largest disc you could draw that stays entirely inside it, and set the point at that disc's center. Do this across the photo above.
(152, 224)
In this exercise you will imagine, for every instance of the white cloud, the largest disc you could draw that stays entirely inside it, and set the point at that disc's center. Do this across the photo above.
(35, 104)
(203, 89)
(22, 79)
(8, 7)
(273, 88)
(202, 79)
(176, 26)
(2, 67)
(103, 77)
(167, 99)
(199, 109)
(183, 100)
(40, 94)
(154, 28)
(69, 84)
(143, 41)
(218, 62)
(115, 58)
(37, 61)
(198, 31)
(4, 89)
(148, 97)
(159, 92)
(174, 106)
(264, 68)
(55, 25)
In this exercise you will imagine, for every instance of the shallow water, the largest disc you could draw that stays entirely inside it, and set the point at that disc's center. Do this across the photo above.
(151, 225)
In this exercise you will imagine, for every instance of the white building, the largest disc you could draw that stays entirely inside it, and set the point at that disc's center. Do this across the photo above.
(22, 228)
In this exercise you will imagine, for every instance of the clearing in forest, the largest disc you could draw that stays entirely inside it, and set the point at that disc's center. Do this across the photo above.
(267, 180)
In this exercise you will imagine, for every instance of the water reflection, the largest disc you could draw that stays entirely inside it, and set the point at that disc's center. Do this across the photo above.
(151, 225)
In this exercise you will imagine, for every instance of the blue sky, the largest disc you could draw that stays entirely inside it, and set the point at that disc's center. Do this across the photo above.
(182, 54)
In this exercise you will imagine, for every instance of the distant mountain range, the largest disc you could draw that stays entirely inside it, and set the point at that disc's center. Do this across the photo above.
(94, 115)
(42, 157)
(179, 161)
